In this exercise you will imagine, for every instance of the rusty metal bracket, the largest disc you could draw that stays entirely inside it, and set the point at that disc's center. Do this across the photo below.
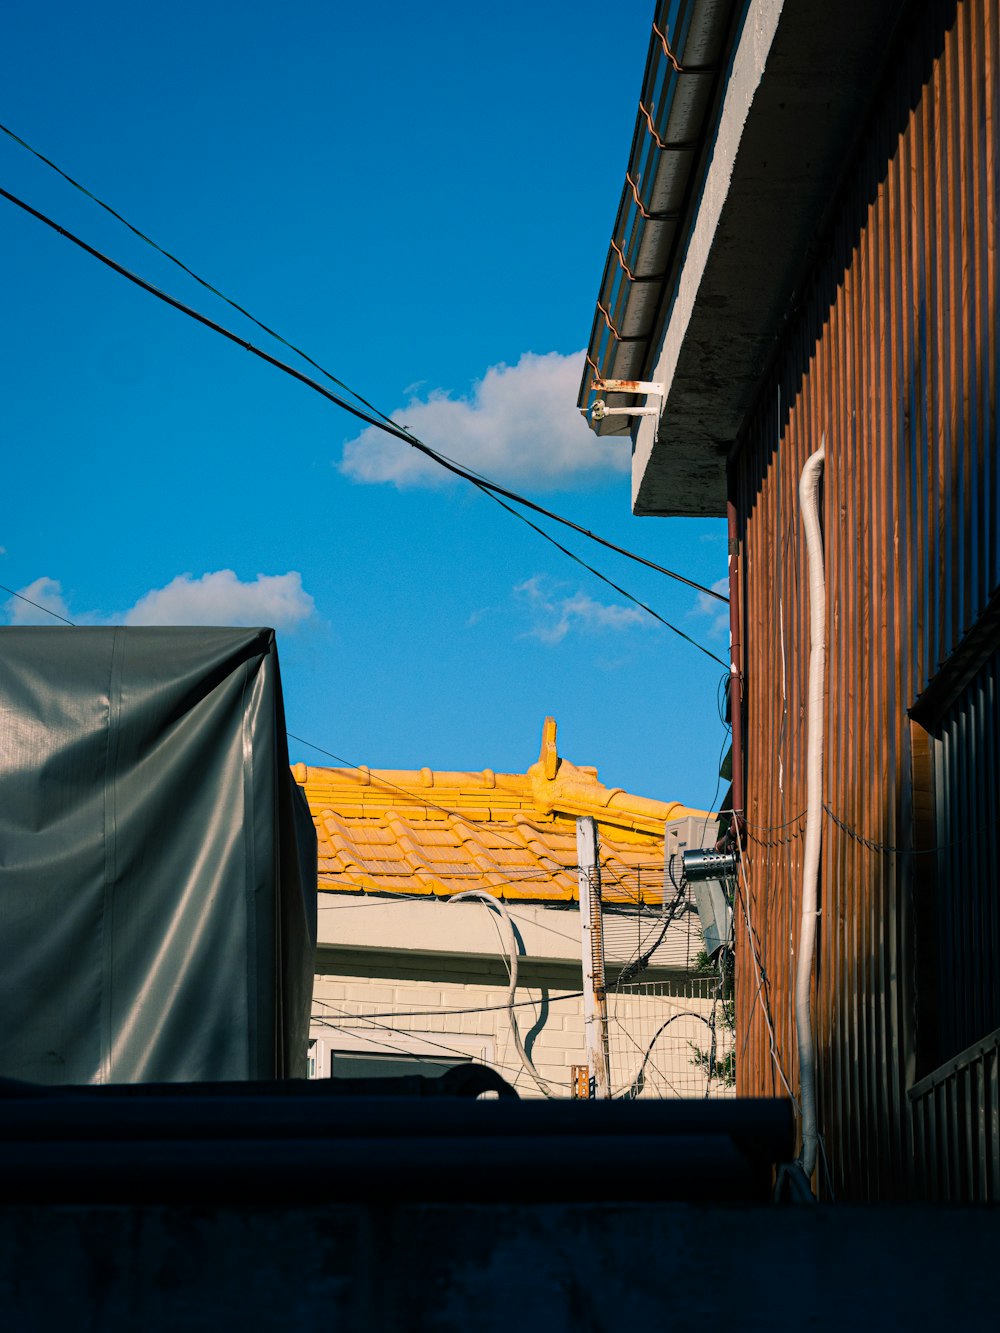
(620, 337)
(668, 215)
(665, 145)
(632, 277)
(680, 69)
(655, 392)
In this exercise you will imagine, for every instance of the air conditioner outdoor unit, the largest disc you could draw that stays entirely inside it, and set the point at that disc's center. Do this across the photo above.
(711, 899)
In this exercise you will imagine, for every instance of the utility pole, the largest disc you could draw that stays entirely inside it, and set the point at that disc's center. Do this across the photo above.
(595, 1010)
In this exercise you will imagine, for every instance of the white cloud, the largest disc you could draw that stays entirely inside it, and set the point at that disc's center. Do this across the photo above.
(218, 598)
(519, 424)
(221, 598)
(45, 592)
(555, 616)
(717, 611)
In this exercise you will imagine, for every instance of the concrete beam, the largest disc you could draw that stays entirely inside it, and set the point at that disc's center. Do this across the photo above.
(803, 78)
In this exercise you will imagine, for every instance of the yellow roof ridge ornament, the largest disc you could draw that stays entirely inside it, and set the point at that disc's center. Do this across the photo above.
(554, 789)
(433, 832)
(562, 787)
(548, 757)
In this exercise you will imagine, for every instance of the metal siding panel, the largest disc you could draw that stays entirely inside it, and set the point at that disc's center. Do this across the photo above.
(993, 848)
(919, 1148)
(968, 1130)
(981, 871)
(894, 356)
(982, 1147)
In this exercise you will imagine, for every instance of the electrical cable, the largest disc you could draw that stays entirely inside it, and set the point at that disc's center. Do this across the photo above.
(47, 609)
(235, 305)
(441, 875)
(685, 1013)
(384, 1046)
(474, 823)
(494, 491)
(718, 784)
(759, 997)
(376, 781)
(639, 964)
(384, 782)
(378, 421)
(427, 1040)
(719, 696)
(397, 429)
(496, 906)
(891, 850)
(434, 1010)
(631, 1090)
(603, 577)
(394, 899)
(363, 1034)
(871, 843)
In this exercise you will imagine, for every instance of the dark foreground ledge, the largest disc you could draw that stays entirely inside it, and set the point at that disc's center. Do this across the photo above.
(496, 1268)
(300, 1143)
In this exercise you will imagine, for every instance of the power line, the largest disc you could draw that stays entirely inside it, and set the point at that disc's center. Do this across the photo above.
(47, 609)
(235, 305)
(424, 1037)
(373, 779)
(372, 1037)
(369, 1034)
(377, 781)
(530, 877)
(890, 850)
(196, 315)
(604, 579)
(380, 421)
(435, 1011)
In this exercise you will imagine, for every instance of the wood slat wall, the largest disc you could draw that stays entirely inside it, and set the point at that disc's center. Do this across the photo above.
(892, 358)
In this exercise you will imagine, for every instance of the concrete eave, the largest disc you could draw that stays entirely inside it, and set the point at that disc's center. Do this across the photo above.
(802, 82)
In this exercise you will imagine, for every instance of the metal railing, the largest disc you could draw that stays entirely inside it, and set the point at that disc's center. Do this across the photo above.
(956, 1127)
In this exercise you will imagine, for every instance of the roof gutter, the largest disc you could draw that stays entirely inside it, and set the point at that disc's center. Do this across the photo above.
(687, 51)
(735, 663)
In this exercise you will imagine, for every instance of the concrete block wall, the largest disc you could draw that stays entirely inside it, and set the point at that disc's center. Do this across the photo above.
(649, 1030)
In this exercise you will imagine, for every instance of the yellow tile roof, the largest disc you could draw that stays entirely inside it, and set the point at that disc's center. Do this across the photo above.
(514, 834)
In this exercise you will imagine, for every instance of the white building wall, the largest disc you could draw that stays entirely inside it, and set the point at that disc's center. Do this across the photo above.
(649, 1030)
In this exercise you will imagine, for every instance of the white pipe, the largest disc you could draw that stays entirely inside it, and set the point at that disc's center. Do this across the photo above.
(487, 899)
(809, 484)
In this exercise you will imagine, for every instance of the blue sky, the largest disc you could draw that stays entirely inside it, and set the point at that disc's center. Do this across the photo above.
(421, 197)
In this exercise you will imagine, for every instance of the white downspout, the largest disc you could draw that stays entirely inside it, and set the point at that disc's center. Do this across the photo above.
(809, 484)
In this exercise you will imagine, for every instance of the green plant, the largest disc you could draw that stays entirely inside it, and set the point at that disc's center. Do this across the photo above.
(724, 1069)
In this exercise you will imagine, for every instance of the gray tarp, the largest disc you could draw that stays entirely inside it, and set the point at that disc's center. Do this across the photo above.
(157, 861)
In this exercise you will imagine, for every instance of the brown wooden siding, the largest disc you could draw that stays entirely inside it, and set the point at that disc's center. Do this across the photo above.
(893, 358)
